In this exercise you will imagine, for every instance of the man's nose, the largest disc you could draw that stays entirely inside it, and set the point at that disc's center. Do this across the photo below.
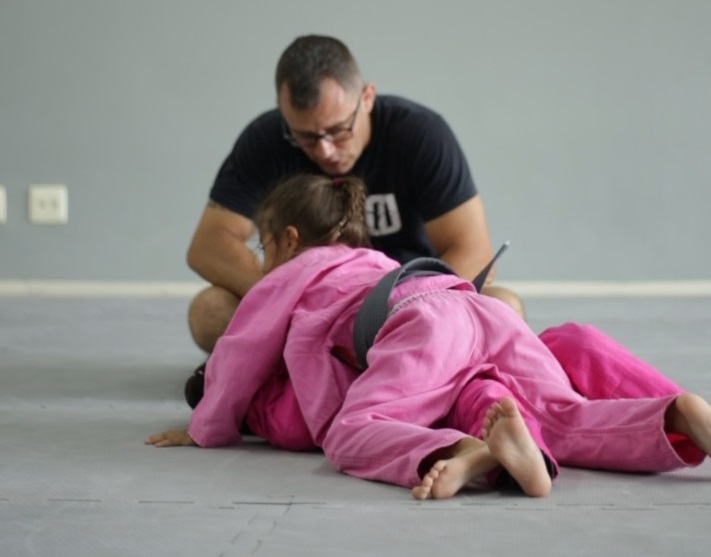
(324, 149)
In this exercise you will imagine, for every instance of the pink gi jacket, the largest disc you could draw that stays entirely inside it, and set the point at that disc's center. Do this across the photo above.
(294, 315)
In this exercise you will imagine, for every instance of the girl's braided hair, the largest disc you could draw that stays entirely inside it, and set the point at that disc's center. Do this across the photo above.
(324, 210)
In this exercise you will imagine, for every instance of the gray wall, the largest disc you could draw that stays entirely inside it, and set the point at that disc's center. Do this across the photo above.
(587, 124)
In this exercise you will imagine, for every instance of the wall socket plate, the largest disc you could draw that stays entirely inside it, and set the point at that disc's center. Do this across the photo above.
(48, 204)
(3, 204)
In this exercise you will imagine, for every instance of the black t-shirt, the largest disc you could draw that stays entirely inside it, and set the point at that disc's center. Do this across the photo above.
(413, 167)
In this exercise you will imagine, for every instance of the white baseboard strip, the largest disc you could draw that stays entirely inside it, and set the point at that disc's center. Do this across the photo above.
(99, 289)
(526, 289)
(606, 289)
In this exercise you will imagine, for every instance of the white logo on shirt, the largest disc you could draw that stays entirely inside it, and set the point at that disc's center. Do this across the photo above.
(382, 214)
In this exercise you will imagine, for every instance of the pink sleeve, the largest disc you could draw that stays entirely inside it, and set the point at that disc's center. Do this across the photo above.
(243, 360)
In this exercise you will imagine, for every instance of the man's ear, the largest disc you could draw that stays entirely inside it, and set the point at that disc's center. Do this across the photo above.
(369, 94)
(291, 239)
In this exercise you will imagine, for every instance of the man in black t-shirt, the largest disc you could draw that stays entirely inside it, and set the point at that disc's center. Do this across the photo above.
(422, 200)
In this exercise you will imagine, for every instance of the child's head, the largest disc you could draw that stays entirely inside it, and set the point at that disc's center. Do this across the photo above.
(311, 210)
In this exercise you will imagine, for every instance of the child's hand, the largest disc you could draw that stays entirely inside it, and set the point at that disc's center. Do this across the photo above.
(170, 438)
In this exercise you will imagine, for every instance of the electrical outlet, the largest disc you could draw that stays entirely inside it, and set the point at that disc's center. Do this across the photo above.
(3, 205)
(48, 204)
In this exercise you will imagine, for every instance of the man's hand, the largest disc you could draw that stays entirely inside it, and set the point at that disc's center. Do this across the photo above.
(171, 438)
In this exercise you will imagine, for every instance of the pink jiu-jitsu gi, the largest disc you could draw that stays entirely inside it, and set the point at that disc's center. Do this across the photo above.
(304, 309)
(443, 344)
(597, 365)
(291, 319)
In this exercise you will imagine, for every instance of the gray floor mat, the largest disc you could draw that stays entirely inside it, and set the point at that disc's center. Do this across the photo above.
(85, 380)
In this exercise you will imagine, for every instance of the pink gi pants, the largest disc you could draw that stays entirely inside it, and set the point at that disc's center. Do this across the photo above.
(446, 355)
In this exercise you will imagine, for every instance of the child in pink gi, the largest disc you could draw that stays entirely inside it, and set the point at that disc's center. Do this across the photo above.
(246, 374)
(441, 348)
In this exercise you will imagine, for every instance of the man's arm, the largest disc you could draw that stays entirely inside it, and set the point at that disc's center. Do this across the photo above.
(461, 238)
(219, 253)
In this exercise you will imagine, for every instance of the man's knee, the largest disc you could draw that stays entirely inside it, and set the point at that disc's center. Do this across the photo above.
(209, 314)
(505, 295)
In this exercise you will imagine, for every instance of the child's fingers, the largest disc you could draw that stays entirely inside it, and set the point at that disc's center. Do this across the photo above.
(152, 439)
(165, 443)
(163, 439)
(170, 438)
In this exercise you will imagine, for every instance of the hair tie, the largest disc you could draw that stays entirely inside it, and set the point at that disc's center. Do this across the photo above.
(337, 181)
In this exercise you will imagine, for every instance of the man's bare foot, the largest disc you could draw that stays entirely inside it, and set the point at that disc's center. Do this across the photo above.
(691, 415)
(511, 444)
(448, 476)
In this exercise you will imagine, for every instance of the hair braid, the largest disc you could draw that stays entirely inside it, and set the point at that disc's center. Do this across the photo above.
(324, 210)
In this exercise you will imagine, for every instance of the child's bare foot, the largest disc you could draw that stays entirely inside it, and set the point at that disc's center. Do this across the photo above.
(511, 444)
(448, 476)
(691, 415)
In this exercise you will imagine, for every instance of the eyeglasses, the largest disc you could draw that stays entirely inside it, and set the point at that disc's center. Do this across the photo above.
(337, 134)
(260, 248)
